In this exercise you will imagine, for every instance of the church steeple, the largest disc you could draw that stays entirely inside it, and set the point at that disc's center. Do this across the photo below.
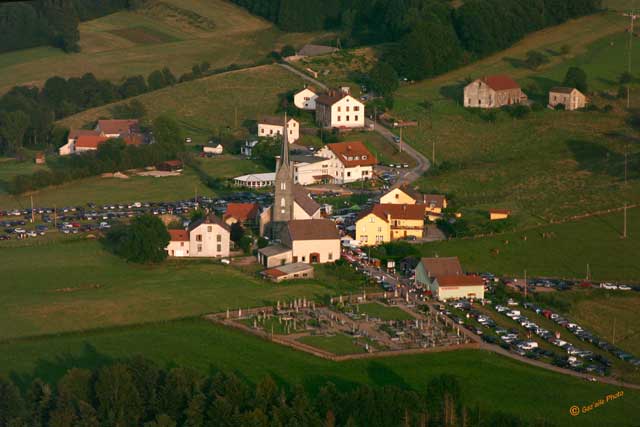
(283, 194)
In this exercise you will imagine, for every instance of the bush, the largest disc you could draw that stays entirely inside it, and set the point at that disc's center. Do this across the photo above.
(287, 50)
(518, 111)
(143, 241)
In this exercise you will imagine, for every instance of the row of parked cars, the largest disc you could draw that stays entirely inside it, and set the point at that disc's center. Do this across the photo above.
(584, 335)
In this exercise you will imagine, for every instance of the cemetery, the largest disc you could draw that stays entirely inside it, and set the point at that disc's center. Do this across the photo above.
(349, 327)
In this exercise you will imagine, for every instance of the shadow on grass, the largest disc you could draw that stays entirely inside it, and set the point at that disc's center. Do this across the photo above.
(598, 159)
(454, 92)
(515, 62)
(382, 375)
(51, 371)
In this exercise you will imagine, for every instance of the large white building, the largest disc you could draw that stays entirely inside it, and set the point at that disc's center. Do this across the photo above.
(208, 237)
(305, 99)
(338, 109)
(348, 161)
(273, 127)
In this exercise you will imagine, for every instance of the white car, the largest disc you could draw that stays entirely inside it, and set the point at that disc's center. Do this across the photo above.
(609, 286)
(32, 234)
(624, 288)
(225, 261)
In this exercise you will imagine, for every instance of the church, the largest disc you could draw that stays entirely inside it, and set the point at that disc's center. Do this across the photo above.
(291, 201)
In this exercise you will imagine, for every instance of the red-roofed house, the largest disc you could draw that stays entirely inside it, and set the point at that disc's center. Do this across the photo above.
(243, 213)
(179, 243)
(208, 237)
(493, 92)
(338, 109)
(348, 161)
(496, 214)
(85, 140)
(445, 279)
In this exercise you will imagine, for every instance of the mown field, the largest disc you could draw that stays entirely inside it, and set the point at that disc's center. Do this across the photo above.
(488, 380)
(559, 250)
(111, 190)
(549, 165)
(206, 106)
(74, 284)
(170, 33)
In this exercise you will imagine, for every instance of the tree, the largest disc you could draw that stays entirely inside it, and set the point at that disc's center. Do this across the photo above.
(133, 86)
(11, 403)
(237, 232)
(168, 134)
(13, 126)
(169, 78)
(287, 50)
(156, 80)
(383, 79)
(576, 77)
(535, 59)
(117, 398)
(143, 241)
(245, 243)
(625, 78)
(161, 421)
(565, 49)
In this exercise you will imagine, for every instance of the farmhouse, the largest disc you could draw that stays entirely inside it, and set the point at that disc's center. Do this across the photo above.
(212, 149)
(207, 237)
(298, 270)
(571, 98)
(305, 99)
(272, 126)
(244, 213)
(310, 241)
(384, 223)
(348, 162)
(338, 109)
(493, 92)
(80, 140)
(444, 278)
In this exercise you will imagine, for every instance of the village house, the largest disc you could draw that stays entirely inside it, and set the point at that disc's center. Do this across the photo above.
(571, 98)
(498, 214)
(384, 223)
(308, 170)
(338, 109)
(208, 237)
(213, 149)
(80, 140)
(444, 278)
(434, 203)
(244, 213)
(272, 126)
(493, 92)
(305, 99)
(347, 162)
(310, 241)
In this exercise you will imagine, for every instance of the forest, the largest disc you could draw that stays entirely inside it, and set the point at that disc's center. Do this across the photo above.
(430, 36)
(137, 392)
(49, 22)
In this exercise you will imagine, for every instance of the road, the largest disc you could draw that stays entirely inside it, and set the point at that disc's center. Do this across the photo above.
(405, 178)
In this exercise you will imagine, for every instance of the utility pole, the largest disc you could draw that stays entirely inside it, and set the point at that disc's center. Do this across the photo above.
(624, 227)
(235, 121)
(626, 158)
(433, 151)
(588, 273)
(632, 17)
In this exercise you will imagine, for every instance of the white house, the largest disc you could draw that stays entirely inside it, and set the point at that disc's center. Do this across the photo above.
(308, 170)
(338, 109)
(80, 140)
(348, 161)
(213, 149)
(444, 278)
(207, 237)
(273, 126)
(305, 99)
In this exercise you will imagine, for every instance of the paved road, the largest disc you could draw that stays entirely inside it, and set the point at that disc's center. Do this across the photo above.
(405, 178)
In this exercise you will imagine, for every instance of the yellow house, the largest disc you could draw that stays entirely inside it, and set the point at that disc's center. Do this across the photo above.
(387, 222)
(497, 214)
(433, 203)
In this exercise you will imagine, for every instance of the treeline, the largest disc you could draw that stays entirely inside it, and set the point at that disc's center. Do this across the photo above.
(111, 156)
(432, 37)
(137, 392)
(27, 114)
(49, 22)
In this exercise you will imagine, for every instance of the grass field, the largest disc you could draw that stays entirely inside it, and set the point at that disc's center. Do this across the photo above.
(227, 166)
(487, 379)
(9, 168)
(112, 190)
(173, 33)
(565, 252)
(98, 289)
(547, 166)
(206, 105)
(383, 312)
(338, 344)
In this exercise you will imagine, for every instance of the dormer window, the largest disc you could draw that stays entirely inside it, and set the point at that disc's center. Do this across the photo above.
(364, 157)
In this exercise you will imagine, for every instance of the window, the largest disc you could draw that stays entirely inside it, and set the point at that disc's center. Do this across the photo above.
(330, 256)
(219, 248)
(304, 259)
(347, 108)
(379, 229)
(355, 118)
(270, 131)
(182, 244)
(339, 108)
(199, 248)
(219, 238)
(283, 186)
(338, 118)
(347, 118)
(283, 202)
(372, 219)
(356, 108)
(209, 229)
(348, 173)
(198, 237)
(262, 130)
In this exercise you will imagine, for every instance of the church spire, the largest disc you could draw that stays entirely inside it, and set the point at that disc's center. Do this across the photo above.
(284, 156)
